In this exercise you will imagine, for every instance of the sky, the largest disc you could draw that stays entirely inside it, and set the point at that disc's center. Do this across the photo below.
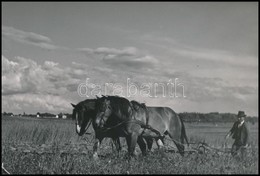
(57, 53)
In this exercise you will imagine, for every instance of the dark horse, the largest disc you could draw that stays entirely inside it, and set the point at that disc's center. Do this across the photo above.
(84, 113)
(116, 115)
(162, 120)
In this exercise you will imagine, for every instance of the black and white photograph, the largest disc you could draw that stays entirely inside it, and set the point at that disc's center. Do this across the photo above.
(130, 87)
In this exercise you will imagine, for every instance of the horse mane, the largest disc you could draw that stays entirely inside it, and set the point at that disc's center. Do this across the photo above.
(119, 103)
(143, 106)
(136, 103)
(88, 103)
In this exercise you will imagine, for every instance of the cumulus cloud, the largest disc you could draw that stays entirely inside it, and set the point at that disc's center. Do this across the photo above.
(29, 38)
(38, 102)
(206, 95)
(27, 85)
(50, 64)
(21, 76)
(27, 76)
(207, 89)
(128, 56)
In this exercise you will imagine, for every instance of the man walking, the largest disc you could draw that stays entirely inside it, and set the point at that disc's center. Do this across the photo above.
(240, 134)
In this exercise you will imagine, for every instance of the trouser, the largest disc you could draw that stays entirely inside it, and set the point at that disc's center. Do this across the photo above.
(236, 147)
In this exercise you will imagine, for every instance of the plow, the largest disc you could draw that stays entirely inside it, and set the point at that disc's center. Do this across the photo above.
(204, 148)
(200, 148)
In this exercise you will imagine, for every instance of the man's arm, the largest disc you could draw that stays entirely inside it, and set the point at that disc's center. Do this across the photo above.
(231, 130)
(227, 135)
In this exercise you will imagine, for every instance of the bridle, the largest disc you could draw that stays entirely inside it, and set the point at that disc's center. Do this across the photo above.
(105, 113)
(76, 123)
(133, 113)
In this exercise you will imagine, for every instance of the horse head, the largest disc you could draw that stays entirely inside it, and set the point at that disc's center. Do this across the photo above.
(140, 111)
(83, 113)
(111, 110)
(104, 110)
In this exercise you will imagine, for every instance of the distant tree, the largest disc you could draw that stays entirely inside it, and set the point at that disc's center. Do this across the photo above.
(60, 115)
(212, 117)
(69, 116)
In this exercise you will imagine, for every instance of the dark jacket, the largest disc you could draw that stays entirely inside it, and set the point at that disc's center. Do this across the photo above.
(240, 134)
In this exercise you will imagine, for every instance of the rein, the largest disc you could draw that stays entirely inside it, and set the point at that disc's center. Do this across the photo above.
(86, 128)
(110, 128)
(131, 121)
(133, 114)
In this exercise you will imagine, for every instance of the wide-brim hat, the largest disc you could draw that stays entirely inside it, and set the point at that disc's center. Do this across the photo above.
(241, 114)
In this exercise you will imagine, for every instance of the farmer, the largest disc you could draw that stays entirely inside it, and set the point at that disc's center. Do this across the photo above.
(240, 134)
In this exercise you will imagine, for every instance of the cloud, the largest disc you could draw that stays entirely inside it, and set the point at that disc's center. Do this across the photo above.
(219, 56)
(127, 58)
(206, 95)
(21, 76)
(29, 38)
(131, 63)
(189, 53)
(50, 64)
(37, 102)
(206, 89)
(24, 77)
(127, 51)
(27, 76)
(27, 84)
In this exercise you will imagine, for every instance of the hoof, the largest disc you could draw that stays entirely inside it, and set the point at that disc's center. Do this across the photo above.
(95, 157)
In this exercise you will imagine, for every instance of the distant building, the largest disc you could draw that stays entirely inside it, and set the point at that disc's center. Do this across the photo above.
(64, 116)
(57, 116)
(38, 115)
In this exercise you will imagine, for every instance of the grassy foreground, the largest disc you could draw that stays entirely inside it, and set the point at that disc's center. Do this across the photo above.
(51, 146)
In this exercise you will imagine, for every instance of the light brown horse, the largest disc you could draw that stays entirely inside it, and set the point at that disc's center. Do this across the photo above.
(164, 120)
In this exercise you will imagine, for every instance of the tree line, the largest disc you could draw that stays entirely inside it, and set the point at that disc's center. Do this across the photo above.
(44, 115)
(186, 116)
(213, 117)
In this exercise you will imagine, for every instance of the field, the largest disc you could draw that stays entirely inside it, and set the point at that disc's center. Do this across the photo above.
(51, 146)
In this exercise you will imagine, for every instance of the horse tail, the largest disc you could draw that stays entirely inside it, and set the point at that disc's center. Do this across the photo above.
(183, 133)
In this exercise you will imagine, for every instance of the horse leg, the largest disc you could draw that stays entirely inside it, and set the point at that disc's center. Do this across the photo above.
(119, 148)
(180, 147)
(159, 143)
(96, 147)
(183, 133)
(141, 144)
(131, 143)
(178, 144)
(161, 148)
(117, 143)
(149, 142)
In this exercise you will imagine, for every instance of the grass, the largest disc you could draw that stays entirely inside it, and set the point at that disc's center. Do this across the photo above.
(51, 146)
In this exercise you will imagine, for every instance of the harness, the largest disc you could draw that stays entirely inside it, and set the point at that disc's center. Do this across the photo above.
(146, 126)
(143, 125)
